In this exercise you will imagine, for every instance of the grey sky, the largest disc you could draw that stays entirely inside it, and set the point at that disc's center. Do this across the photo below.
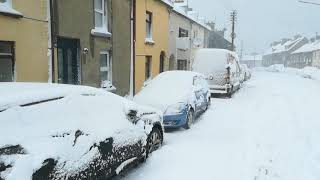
(262, 21)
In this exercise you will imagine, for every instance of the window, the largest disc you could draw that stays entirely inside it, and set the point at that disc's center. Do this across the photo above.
(148, 66)
(161, 68)
(148, 25)
(6, 62)
(105, 67)
(182, 64)
(183, 33)
(100, 13)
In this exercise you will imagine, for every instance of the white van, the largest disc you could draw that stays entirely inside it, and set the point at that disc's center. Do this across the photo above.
(221, 68)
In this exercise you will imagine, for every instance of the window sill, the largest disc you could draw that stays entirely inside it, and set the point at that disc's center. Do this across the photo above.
(101, 33)
(149, 41)
(107, 86)
(8, 11)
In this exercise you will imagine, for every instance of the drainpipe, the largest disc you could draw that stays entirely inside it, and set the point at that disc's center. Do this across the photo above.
(133, 47)
(51, 71)
(50, 75)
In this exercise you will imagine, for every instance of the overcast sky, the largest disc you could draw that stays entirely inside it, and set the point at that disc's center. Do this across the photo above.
(260, 22)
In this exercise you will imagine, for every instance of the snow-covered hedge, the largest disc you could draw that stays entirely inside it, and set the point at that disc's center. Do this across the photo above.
(307, 72)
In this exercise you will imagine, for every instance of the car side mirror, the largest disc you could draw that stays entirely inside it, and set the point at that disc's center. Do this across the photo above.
(132, 116)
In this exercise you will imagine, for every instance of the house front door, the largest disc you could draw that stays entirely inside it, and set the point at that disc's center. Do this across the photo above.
(68, 61)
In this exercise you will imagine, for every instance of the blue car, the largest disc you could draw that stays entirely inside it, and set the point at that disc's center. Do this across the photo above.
(180, 95)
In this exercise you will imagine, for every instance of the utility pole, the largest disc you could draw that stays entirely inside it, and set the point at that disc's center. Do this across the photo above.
(233, 34)
(308, 2)
(241, 51)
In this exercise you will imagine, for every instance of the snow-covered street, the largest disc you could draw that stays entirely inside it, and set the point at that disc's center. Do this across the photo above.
(269, 130)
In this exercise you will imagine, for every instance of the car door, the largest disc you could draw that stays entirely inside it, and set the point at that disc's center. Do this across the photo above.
(199, 94)
(205, 91)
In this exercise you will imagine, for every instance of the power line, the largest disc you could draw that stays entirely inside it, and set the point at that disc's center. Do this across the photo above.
(307, 2)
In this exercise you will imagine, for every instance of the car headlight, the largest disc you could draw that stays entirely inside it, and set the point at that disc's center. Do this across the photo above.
(176, 109)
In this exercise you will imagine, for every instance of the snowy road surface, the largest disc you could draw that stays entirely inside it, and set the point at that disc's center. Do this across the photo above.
(269, 130)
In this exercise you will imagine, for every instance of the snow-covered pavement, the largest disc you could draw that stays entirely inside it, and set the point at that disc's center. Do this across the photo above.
(269, 130)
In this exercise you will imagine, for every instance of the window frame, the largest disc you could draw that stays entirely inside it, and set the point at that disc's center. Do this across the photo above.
(104, 13)
(181, 31)
(184, 64)
(11, 56)
(148, 68)
(149, 25)
(107, 68)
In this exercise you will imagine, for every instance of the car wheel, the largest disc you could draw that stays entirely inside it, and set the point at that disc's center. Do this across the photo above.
(190, 119)
(230, 93)
(154, 140)
(208, 103)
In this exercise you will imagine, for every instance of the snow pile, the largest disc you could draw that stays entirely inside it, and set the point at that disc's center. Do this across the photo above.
(307, 72)
(275, 68)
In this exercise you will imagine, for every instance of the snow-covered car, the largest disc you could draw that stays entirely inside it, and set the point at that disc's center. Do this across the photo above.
(221, 69)
(246, 72)
(242, 75)
(72, 132)
(180, 95)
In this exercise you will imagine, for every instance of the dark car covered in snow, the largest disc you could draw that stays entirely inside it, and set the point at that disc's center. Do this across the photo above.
(72, 132)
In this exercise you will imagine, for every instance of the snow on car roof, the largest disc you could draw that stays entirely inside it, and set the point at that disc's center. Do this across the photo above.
(211, 60)
(166, 89)
(16, 94)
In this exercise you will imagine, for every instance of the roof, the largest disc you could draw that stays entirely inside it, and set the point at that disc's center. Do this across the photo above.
(284, 47)
(310, 47)
(252, 58)
(168, 2)
(178, 9)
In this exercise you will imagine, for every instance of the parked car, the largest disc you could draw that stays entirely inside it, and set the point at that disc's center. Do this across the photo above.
(221, 69)
(72, 132)
(246, 72)
(180, 95)
(242, 75)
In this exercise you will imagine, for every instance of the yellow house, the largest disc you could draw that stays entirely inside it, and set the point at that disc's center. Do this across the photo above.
(24, 41)
(152, 40)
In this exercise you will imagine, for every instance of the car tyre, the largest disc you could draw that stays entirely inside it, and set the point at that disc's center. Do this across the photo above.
(190, 119)
(208, 103)
(154, 141)
(230, 93)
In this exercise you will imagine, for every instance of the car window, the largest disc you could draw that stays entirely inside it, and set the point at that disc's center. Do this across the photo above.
(196, 81)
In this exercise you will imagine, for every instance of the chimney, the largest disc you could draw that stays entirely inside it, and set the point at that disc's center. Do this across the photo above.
(212, 25)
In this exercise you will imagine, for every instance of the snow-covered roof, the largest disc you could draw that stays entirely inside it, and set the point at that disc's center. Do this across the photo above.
(168, 2)
(311, 46)
(252, 58)
(283, 47)
(189, 15)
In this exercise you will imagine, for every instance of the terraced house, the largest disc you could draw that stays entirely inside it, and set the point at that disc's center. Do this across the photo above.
(92, 43)
(24, 41)
(151, 39)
